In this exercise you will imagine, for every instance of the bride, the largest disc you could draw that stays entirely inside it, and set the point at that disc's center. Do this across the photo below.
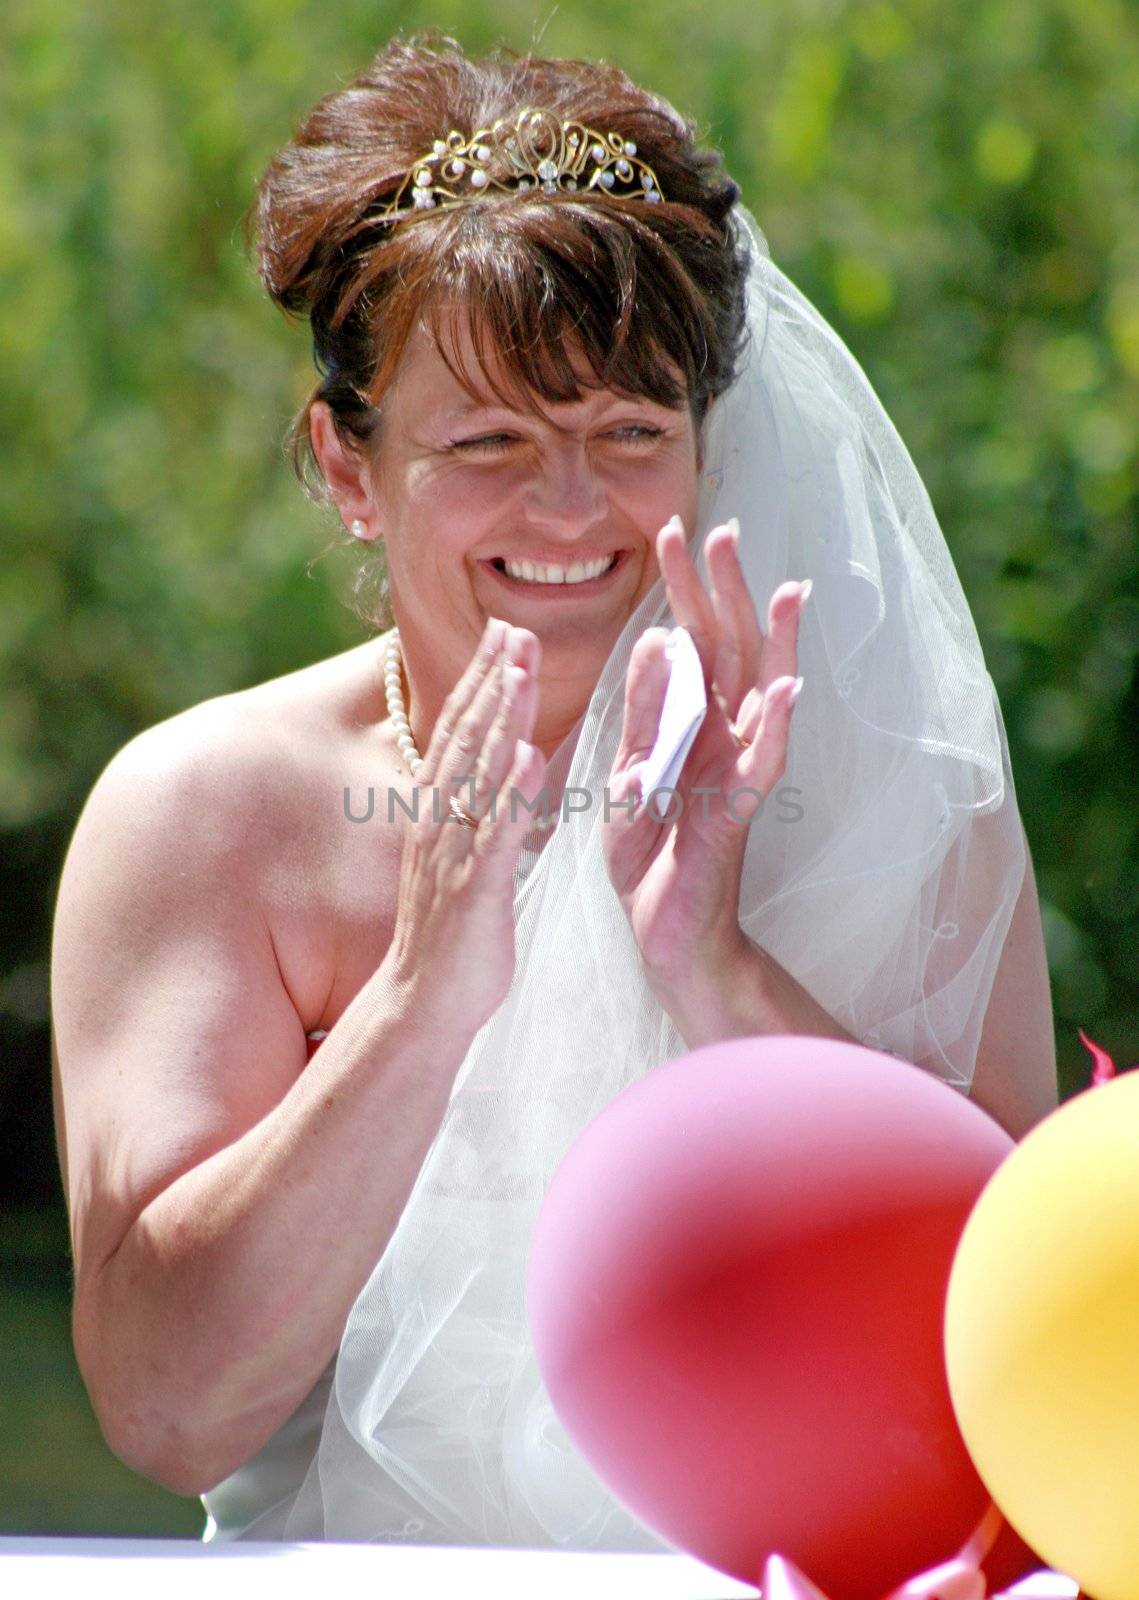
(330, 1002)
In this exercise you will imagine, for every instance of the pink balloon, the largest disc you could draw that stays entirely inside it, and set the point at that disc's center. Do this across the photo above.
(736, 1294)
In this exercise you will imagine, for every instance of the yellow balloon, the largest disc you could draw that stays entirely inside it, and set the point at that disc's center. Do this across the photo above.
(1042, 1338)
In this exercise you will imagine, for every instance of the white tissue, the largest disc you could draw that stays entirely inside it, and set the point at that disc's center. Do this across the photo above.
(685, 705)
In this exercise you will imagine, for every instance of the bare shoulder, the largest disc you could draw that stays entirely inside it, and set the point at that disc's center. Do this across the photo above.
(231, 801)
(270, 732)
(238, 783)
(174, 1028)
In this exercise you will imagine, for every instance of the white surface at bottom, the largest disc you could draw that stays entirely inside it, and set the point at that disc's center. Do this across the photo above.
(176, 1569)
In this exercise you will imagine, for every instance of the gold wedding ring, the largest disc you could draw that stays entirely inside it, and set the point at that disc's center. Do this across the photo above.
(463, 818)
(743, 743)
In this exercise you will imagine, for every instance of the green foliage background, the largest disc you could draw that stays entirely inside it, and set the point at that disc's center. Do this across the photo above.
(954, 184)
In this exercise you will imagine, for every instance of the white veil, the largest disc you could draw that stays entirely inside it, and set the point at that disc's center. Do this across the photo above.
(882, 874)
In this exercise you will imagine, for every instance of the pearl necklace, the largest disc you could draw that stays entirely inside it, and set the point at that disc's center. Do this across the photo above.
(397, 711)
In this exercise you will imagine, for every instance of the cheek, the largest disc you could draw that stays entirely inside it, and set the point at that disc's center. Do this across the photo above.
(673, 492)
(466, 499)
(440, 514)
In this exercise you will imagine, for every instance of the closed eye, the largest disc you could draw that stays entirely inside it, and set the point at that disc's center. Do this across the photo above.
(636, 433)
(633, 433)
(484, 442)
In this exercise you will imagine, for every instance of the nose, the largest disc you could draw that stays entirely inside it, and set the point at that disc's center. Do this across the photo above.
(566, 495)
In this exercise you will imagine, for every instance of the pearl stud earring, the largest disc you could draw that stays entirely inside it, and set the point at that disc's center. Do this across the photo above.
(358, 528)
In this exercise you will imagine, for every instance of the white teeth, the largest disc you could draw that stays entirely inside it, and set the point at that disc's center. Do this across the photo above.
(579, 572)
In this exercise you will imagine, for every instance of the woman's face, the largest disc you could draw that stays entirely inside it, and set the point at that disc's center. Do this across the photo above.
(543, 515)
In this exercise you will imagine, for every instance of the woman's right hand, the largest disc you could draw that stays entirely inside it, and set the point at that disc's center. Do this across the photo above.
(453, 943)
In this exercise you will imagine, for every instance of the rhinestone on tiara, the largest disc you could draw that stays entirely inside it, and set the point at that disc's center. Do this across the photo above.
(533, 151)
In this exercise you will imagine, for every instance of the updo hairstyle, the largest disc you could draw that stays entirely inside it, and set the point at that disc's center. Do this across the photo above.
(652, 294)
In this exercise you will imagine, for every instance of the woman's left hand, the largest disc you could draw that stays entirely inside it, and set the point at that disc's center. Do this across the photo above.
(680, 884)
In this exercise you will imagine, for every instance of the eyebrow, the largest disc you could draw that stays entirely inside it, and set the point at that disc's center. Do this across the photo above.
(470, 407)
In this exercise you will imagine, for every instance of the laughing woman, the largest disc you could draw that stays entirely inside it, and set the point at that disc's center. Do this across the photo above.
(314, 1074)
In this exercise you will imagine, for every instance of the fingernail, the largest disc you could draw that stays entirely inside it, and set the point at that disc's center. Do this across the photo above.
(673, 522)
(734, 527)
(805, 591)
(796, 691)
(495, 630)
(512, 678)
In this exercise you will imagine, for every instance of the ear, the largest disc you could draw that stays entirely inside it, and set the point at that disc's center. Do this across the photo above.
(345, 472)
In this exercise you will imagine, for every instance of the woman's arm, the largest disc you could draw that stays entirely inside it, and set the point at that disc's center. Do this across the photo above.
(228, 1202)
(1015, 1076)
(748, 995)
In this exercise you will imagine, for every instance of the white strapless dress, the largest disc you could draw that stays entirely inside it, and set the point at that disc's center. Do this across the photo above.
(254, 1502)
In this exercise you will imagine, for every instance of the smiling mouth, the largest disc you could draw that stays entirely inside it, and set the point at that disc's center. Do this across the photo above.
(545, 574)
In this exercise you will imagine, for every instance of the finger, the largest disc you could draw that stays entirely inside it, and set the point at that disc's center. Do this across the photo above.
(513, 721)
(632, 837)
(781, 647)
(521, 646)
(740, 650)
(645, 684)
(687, 597)
(457, 764)
(499, 836)
(748, 717)
(461, 697)
(764, 762)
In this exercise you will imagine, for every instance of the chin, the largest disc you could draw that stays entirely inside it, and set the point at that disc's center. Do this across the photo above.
(578, 648)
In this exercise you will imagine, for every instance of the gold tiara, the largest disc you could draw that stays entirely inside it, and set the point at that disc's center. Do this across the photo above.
(533, 151)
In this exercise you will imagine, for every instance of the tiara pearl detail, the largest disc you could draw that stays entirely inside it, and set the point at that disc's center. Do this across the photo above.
(534, 151)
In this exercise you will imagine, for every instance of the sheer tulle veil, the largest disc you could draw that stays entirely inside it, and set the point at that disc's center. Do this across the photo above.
(881, 873)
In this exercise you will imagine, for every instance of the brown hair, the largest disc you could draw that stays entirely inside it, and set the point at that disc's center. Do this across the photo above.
(645, 291)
